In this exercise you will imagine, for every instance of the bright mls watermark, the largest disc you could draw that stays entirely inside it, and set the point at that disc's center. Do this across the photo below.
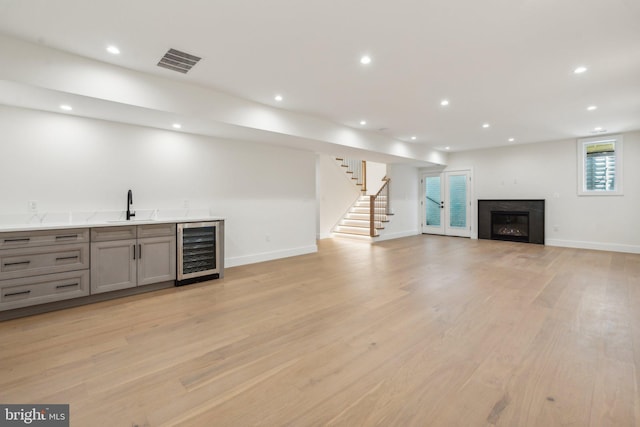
(34, 415)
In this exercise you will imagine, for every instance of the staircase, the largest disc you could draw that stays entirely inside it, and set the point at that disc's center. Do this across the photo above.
(357, 222)
(369, 213)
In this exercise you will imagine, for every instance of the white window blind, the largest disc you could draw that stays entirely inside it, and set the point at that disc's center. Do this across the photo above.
(600, 171)
(600, 166)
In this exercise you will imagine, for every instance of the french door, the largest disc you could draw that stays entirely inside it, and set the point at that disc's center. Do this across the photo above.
(446, 203)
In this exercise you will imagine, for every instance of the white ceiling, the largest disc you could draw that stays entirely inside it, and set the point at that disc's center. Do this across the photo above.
(508, 63)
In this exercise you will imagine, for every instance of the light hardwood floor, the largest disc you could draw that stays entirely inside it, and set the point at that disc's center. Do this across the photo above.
(424, 331)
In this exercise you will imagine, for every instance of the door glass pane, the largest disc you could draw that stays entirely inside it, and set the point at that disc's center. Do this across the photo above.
(458, 201)
(432, 202)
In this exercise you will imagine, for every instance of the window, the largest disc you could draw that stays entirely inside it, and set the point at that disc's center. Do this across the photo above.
(600, 166)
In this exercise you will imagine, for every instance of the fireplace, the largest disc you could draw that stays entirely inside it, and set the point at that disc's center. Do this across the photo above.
(512, 226)
(513, 220)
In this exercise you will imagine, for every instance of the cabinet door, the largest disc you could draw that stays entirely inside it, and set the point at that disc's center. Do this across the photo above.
(113, 265)
(156, 260)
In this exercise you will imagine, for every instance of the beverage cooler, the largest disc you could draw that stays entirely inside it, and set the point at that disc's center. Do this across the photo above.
(200, 251)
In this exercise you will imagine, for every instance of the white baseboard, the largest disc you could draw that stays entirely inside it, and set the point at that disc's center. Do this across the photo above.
(612, 247)
(390, 236)
(269, 256)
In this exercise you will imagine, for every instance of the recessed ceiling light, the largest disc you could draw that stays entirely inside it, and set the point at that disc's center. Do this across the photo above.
(444, 102)
(113, 50)
(366, 59)
(580, 70)
(278, 98)
(485, 125)
(592, 108)
(66, 107)
(598, 128)
(413, 138)
(511, 139)
(363, 122)
(177, 126)
(447, 148)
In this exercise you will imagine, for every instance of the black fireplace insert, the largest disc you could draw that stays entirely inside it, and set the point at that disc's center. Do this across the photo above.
(512, 226)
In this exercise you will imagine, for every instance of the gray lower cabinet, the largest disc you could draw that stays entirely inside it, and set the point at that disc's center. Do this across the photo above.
(43, 266)
(113, 265)
(43, 289)
(46, 266)
(34, 261)
(121, 258)
(156, 260)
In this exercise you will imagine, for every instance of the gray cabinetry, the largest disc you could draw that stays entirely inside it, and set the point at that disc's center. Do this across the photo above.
(123, 257)
(48, 269)
(156, 259)
(43, 266)
(22, 239)
(113, 266)
(16, 263)
(42, 289)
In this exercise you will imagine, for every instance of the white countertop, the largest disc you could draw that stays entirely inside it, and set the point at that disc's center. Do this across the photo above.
(67, 220)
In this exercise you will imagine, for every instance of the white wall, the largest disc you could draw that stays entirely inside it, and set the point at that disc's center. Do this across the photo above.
(405, 202)
(65, 163)
(375, 173)
(549, 171)
(336, 194)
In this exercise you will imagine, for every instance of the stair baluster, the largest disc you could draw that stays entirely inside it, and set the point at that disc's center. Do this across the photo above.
(379, 209)
(357, 169)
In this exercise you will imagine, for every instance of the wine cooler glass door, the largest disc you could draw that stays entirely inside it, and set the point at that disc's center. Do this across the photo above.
(198, 250)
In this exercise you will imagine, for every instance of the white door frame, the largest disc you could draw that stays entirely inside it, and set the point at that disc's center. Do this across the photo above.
(445, 229)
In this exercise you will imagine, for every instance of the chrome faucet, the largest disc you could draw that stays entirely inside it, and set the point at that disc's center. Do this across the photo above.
(129, 203)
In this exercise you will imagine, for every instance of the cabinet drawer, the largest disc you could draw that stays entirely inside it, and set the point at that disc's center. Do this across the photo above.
(27, 239)
(156, 230)
(17, 263)
(42, 289)
(105, 234)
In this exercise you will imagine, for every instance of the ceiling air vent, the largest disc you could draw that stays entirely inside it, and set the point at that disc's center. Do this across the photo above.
(178, 61)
